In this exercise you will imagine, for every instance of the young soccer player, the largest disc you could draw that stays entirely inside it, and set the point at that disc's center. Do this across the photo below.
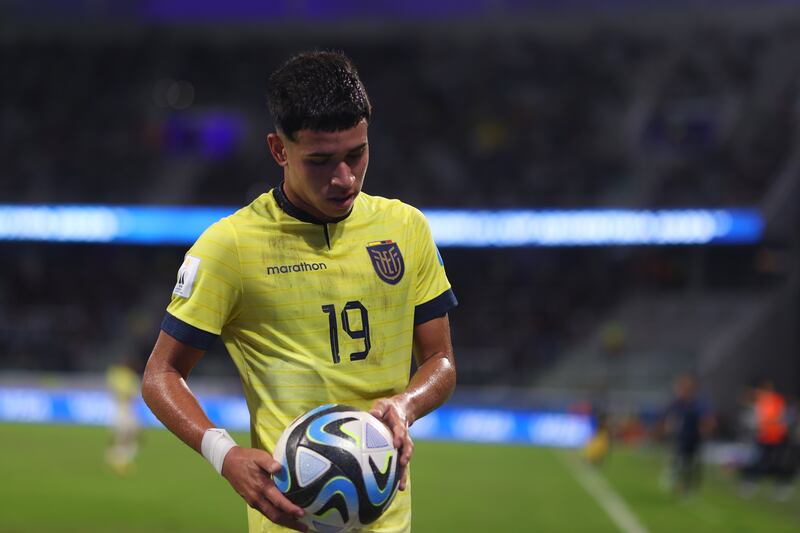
(320, 293)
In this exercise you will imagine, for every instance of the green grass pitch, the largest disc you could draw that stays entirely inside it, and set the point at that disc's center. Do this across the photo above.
(53, 479)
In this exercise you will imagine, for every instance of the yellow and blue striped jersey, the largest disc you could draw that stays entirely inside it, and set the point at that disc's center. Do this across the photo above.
(311, 312)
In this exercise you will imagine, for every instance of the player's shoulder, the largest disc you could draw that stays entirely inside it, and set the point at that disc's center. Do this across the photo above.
(391, 208)
(222, 230)
(243, 221)
(218, 239)
(262, 208)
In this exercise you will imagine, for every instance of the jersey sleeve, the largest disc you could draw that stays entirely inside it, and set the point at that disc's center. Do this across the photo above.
(208, 290)
(434, 295)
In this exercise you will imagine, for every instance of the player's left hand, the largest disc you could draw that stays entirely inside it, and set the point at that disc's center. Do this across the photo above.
(395, 413)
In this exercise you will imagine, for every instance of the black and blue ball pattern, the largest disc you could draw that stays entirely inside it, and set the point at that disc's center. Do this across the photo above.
(339, 464)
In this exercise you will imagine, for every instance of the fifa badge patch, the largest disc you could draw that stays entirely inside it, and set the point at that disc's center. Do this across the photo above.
(387, 261)
(186, 275)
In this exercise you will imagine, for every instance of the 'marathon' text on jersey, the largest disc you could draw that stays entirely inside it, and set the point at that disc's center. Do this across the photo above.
(300, 267)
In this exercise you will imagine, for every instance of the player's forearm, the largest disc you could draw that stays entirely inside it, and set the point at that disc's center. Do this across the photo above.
(430, 386)
(166, 394)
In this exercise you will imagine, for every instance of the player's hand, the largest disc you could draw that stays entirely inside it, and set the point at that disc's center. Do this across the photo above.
(249, 471)
(394, 412)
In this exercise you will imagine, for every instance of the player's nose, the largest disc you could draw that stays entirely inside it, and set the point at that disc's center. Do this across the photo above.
(342, 175)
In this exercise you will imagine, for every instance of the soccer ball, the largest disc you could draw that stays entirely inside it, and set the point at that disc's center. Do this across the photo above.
(339, 464)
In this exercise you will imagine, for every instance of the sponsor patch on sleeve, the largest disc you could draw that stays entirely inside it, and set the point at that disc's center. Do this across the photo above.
(186, 275)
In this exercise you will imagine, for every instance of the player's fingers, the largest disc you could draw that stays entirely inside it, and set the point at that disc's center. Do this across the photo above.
(265, 507)
(281, 502)
(378, 409)
(402, 473)
(400, 432)
(406, 450)
(291, 523)
(266, 462)
(268, 509)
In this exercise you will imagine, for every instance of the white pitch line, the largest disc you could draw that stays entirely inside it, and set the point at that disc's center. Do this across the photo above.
(600, 490)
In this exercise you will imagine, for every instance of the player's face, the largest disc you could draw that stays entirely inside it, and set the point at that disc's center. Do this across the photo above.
(323, 170)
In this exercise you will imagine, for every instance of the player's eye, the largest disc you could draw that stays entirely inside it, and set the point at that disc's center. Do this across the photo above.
(356, 154)
(318, 161)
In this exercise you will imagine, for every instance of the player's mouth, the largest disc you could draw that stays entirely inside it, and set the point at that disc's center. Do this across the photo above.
(343, 202)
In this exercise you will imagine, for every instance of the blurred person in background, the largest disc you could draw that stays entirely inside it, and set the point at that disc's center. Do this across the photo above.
(770, 421)
(688, 422)
(273, 280)
(598, 446)
(122, 380)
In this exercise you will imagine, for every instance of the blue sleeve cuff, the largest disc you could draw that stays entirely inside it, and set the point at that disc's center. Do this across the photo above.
(186, 333)
(435, 308)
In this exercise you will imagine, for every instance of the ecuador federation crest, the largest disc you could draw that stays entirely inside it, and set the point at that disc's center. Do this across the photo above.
(387, 261)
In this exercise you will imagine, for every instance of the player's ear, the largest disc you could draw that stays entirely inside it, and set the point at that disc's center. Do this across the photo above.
(277, 148)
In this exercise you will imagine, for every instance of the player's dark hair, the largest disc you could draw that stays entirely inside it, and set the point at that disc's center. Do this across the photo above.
(318, 91)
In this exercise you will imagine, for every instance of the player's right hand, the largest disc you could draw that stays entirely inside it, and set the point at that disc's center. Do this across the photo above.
(249, 471)
(394, 412)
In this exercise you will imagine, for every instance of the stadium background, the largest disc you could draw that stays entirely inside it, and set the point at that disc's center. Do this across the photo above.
(479, 105)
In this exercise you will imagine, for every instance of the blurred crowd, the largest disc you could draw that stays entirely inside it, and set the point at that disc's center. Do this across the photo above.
(607, 118)
(700, 118)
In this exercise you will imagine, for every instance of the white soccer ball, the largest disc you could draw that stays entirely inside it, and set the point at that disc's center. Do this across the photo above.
(340, 465)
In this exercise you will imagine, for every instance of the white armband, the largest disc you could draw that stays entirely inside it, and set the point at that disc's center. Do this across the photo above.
(215, 446)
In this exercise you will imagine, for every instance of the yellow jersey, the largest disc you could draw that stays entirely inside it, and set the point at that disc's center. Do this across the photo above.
(311, 312)
(123, 383)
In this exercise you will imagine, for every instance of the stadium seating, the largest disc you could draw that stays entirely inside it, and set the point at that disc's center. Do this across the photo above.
(597, 118)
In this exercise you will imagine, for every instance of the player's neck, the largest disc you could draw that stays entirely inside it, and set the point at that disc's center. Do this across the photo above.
(291, 208)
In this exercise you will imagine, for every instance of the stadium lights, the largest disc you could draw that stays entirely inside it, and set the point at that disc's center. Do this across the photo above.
(161, 225)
